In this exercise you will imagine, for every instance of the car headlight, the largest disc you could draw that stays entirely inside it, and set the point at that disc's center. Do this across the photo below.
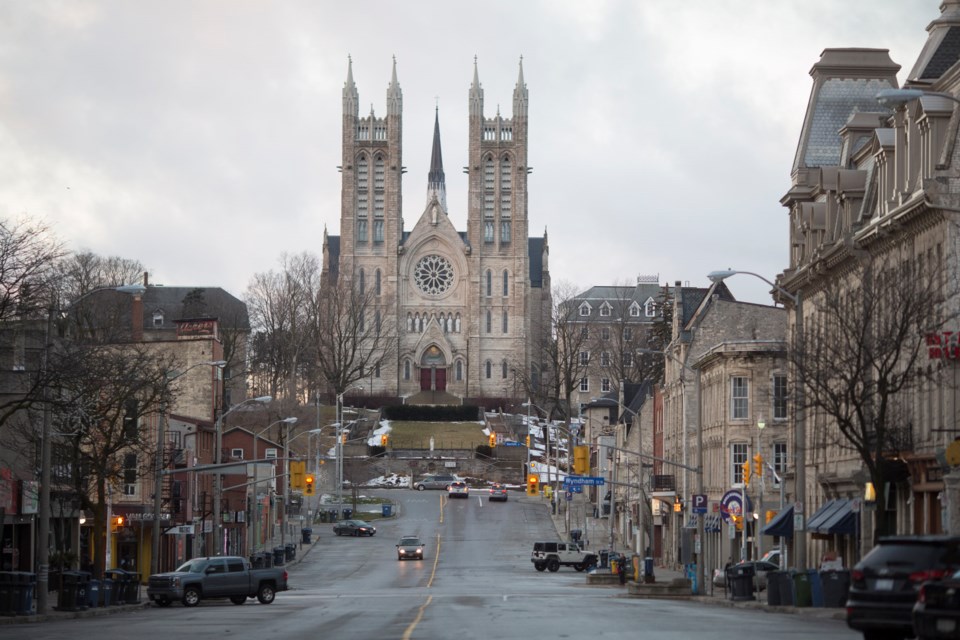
(175, 582)
(419, 550)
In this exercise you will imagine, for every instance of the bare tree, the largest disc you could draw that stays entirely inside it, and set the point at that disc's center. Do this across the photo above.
(28, 253)
(83, 272)
(563, 350)
(862, 357)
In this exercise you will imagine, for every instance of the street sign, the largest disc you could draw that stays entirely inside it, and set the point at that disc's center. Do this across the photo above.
(798, 522)
(568, 495)
(577, 489)
(798, 507)
(699, 503)
(510, 443)
(583, 481)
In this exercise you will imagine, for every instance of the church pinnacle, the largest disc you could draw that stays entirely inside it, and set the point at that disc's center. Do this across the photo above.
(436, 183)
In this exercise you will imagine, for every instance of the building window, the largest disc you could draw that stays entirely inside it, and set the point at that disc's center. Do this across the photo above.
(362, 205)
(376, 284)
(604, 359)
(488, 231)
(585, 309)
(779, 397)
(605, 333)
(779, 459)
(130, 474)
(634, 310)
(505, 205)
(605, 310)
(488, 369)
(376, 319)
(361, 230)
(362, 174)
(739, 400)
(488, 276)
(503, 370)
(363, 282)
(604, 385)
(488, 206)
(650, 308)
(584, 358)
(459, 370)
(627, 359)
(378, 174)
(157, 319)
(376, 371)
(131, 422)
(363, 322)
(488, 174)
(738, 455)
(505, 231)
(506, 322)
(628, 334)
(584, 385)
(406, 369)
(505, 174)
(378, 230)
(506, 282)
(489, 322)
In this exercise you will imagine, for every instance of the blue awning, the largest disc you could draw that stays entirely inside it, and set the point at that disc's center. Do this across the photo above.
(781, 525)
(842, 521)
(823, 514)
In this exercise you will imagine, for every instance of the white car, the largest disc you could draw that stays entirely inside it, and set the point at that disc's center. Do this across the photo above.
(458, 489)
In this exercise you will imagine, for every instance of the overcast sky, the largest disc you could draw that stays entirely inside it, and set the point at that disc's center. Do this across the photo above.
(202, 137)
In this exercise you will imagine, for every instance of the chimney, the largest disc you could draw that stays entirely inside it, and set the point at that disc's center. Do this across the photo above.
(136, 310)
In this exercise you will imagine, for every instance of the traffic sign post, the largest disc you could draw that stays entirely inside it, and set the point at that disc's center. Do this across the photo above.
(699, 503)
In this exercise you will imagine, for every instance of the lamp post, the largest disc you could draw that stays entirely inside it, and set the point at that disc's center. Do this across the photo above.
(256, 477)
(339, 417)
(43, 526)
(218, 474)
(286, 478)
(799, 427)
(758, 527)
(158, 468)
(897, 97)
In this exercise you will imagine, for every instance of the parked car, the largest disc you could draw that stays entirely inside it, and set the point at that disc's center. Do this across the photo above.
(354, 528)
(936, 613)
(552, 555)
(884, 585)
(772, 556)
(435, 481)
(458, 489)
(760, 570)
(410, 547)
(498, 492)
(216, 577)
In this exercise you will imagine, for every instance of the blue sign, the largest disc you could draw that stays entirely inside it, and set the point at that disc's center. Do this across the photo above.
(732, 505)
(583, 481)
(699, 503)
(511, 443)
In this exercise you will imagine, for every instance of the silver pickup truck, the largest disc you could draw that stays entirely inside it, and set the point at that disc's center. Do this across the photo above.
(216, 577)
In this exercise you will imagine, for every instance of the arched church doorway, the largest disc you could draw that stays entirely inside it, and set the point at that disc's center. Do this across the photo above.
(433, 370)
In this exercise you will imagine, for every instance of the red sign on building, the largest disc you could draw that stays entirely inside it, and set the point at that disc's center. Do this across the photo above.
(943, 345)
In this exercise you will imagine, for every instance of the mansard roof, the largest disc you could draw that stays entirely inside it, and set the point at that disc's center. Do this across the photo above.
(942, 48)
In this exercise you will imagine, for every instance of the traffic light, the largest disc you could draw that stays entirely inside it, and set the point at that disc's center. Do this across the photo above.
(746, 472)
(343, 437)
(528, 441)
(533, 484)
(309, 482)
(297, 469)
(383, 440)
(581, 459)
(758, 465)
(678, 505)
(118, 522)
(493, 440)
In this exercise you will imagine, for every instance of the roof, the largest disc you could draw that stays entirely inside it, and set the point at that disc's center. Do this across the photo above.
(182, 303)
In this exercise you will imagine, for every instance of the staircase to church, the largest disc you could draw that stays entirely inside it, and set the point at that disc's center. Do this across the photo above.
(434, 398)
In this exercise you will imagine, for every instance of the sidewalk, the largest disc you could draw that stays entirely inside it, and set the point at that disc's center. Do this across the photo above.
(596, 532)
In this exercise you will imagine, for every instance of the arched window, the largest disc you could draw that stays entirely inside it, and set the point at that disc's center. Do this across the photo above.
(489, 277)
(377, 282)
(506, 282)
(503, 369)
(378, 173)
(420, 323)
(363, 284)
(376, 317)
(406, 369)
(362, 172)
(488, 174)
(459, 373)
(506, 322)
(489, 322)
(489, 369)
(505, 184)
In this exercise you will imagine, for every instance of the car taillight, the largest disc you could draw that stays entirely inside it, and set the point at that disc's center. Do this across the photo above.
(928, 574)
(856, 575)
(284, 575)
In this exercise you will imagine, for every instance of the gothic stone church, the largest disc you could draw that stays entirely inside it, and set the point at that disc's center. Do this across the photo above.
(472, 307)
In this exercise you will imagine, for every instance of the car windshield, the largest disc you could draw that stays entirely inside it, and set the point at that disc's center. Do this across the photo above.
(410, 542)
(193, 566)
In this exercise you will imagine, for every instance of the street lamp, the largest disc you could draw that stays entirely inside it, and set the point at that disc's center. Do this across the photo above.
(897, 97)
(799, 427)
(256, 475)
(218, 475)
(339, 416)
(158, 466)
(43, 527)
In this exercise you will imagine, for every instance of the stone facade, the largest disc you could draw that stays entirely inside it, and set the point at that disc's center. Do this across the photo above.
(469, 307)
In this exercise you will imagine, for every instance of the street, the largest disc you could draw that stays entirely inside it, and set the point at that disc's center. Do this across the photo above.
(476, 581)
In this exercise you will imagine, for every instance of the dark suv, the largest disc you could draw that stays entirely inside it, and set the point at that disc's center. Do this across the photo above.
(884, 585)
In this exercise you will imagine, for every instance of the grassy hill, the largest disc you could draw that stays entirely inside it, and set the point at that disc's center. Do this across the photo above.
(446, 435)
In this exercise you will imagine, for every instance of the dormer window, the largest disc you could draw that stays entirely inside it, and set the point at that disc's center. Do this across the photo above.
(650, 308)
(157, 319)
(585, 309)
(605, 310)
(634, 310)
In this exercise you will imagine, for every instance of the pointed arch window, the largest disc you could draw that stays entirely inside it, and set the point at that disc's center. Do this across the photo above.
(362, 282)
(406, 369)
(488, 366)
(503, 370)
(505, 231)
(456, 324)
(488, 174)
(650, 308)
(459, 371)
(362, 230)
(377, 283)
(376, 319)
(506, 283)
(488, 231)
(362, 173)
(506, 322)
(378, 230)
(489, 322)
(489, 282)
(505, 174)
(409, 322)
(378, 174)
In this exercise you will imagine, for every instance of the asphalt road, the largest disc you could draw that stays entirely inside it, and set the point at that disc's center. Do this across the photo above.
(476, 581)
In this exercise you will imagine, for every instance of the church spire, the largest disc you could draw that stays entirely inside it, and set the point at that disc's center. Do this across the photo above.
(351, 98)
(436, 183)
(394, 96)
(476, 92)
(520, 95)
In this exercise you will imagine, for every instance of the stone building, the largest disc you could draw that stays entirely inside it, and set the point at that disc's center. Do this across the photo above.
(469, 307)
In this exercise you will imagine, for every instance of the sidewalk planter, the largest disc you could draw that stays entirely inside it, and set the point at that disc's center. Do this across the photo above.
(836, 584)
(801, 589)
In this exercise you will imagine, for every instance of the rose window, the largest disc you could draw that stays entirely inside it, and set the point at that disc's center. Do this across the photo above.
(433, 275)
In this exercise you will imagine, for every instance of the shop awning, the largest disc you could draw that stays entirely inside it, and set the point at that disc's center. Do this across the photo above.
(712, 523)
(823, 514)
(842, 521)
(781, 525)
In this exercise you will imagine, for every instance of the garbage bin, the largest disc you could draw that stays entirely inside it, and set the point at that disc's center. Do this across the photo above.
(305, 534)
(773, 588)
(7, 589)
(278, 555)
(836, 584)
(816, 588)
(121, 585)
(386, 510)
(785, 588)
(323, 515)
(26, 582)
(801, 589)
(133, 588)
(93, 593)
(106, 592)
(73, 591)
(740, 581)
(66, 600)
(347, 514)
(648, 570)
(290, 551)
(604, 558)
(333, 515)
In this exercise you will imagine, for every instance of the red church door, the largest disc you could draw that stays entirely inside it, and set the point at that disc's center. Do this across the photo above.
(441, 379)
(425, 379)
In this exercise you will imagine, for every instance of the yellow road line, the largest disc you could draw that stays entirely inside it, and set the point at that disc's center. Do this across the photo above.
(442, 503)
(416, 621)
(436, 559)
